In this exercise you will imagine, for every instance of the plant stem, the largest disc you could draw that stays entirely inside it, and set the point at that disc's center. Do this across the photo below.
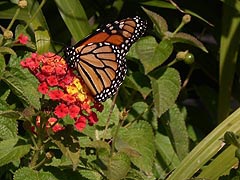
(13, 19)
(34, 15)
(115, 135)
(110, 114)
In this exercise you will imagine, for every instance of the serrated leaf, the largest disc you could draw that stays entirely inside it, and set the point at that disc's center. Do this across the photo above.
(68, 144)
(4, 106)
(150, 53)
(139, 136)
(90, 174)
(137, 111)
(143, 49)
(188, 39)
(30, 174)
(10, 153)
(162, 52)
(26, 91)
(138, 82)
(5, 95)
(166, 86)
(2, 64)
(117, 165)
(176, 128)
(100, 145)
(7, 50)
(160, 24)
(8, 128)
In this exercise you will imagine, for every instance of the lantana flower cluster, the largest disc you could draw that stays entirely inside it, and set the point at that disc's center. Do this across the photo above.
(62, 86)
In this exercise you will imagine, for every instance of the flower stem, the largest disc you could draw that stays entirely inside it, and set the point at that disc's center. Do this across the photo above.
(34, 15)
(36, 154)
(13, 19)
(109, 116)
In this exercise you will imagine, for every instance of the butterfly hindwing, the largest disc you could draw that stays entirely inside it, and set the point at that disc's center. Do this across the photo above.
(100, 58)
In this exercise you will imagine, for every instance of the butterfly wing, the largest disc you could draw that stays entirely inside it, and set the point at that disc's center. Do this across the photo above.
(100, 58)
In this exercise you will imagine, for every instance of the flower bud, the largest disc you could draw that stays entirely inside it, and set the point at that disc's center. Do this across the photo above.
(7, 34)
(22, 3)
(186, 18)
(181, 55)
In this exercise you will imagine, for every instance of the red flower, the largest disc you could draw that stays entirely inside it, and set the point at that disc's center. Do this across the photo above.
(80, 123)
(41, 77)
(43, 88)
(52, 80)
(73, 111)
(22, 39)
(55, 94)
(61, 111)
(92, 119)
(60, 70)
(30, 63)
(85, 106)
(47, 69)
(56, 80)
(57, 127)
(68, 98)
(98, 106)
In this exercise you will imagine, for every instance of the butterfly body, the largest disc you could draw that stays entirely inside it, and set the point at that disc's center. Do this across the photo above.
(100, 57)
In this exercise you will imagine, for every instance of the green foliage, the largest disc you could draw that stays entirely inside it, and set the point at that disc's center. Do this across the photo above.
(171, 119)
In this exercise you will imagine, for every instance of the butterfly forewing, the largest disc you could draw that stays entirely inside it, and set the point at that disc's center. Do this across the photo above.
(100, 57)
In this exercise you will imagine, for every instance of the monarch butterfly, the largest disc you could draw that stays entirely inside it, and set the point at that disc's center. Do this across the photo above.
(100, 57)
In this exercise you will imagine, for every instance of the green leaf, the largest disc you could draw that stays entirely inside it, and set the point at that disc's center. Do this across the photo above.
(68, 143)
(150, 53)
(138, 82)
(8, 128)
(143, 49)
(229, 55)
(167, 153)
(8, 13)
(220, 165)
(7, 50)
(18, 83)
(182, 37)
(29, 174)
(4, 106)
(103, 116)
(138, 111)
(161, 54)
(207, 149)
(90, 174)
(9, 152)
(136, 175)
(163, 4)
(40, 27)
(166, 86)
(75, 18)
(176, 127)
(117, 165)
(160, 24)
(99, 145)
(38, 23)
(139, 139)
(2, 64)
